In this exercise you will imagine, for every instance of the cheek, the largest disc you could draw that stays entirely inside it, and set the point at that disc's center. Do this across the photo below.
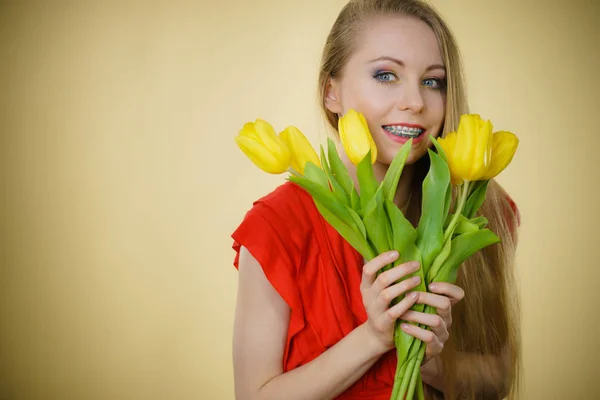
(365, 97)
(437, 111)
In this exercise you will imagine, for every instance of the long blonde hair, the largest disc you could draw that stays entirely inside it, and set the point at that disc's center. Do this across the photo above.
(487, 320)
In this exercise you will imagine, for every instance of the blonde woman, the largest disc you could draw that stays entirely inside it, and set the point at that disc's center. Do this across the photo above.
(312, 319)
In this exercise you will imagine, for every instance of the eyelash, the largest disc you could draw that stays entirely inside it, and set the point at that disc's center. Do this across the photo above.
(441, 83)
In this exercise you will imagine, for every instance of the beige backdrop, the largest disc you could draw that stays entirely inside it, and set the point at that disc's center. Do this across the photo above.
(122, 183)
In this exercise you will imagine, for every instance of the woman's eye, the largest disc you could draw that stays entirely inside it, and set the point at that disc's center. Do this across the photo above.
(433, 83)
(385, 76)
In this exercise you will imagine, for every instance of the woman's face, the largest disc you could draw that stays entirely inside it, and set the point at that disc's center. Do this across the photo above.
(396, 78)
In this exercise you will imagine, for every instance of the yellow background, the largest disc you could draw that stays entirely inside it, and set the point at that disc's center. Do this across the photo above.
(121, 182)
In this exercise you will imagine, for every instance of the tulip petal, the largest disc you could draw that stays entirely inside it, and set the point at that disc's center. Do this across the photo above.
(249, 131)
(372, 145)
(504, 146)
(448, 144)
(270, 140)
(356, 137)
(301, 149)
(261, 157)
(466, 141)
(482, 151)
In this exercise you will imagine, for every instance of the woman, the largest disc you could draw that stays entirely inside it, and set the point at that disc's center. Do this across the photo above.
(312, 320)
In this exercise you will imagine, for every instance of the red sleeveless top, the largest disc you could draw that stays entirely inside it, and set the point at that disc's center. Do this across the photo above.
(318, 275)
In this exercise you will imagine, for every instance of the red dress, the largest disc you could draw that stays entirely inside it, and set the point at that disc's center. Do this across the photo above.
(318, 274)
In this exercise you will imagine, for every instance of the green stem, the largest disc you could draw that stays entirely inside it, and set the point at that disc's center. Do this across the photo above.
(406, 379)
(462, 199)
(420, 393)
(409, 365)
(416, 372)
(400, 370)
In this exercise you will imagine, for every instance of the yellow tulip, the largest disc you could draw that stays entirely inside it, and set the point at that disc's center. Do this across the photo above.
(263, 147)
(300, 148)
(475, 152)
(504, 146)
(356, 137)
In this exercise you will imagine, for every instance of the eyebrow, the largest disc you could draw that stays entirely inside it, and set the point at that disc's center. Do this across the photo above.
(399, 62)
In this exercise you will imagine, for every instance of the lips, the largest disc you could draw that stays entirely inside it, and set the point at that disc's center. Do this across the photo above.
(403, 132)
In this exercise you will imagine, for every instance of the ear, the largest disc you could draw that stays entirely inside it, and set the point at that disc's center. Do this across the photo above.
(332, 97)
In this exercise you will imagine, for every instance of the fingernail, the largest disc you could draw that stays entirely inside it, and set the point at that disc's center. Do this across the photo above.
(404, 326)
(416, 279)
(416, 265)
(413, 295)
(393, 254)
(433, 286)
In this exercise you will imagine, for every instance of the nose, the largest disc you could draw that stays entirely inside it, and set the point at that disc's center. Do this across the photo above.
(411, 98)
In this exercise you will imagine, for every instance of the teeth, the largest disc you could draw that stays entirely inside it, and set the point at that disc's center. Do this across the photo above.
(403, 130)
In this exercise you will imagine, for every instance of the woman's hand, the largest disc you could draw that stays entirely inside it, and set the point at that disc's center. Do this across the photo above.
(379, 291)
(442, 297)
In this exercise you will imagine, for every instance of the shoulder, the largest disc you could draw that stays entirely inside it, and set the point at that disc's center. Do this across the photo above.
(278, 224)
(513, 207)
(509, 214)
(511, 210)
(288, 204)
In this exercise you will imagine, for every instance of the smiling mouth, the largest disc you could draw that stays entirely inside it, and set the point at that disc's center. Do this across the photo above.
(404, 131)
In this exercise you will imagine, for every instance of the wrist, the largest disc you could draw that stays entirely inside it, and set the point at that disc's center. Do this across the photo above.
(372, 342)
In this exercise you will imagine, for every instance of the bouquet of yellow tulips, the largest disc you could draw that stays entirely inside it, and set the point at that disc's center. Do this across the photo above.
(448, 232)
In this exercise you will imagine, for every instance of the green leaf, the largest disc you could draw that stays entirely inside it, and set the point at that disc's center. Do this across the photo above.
(404, 241)
(392, 176)
(463, 247)
(324, 196)
(338, 169)
(448, 198)
(465, 225)
(439, 260)
(356, 240)
(440, 150)
(377, 224)
(355, 202)
(430, 228)
(338, 190)
(447, 204)
(316, 174)
(358, 221)
(403, 233)
(480, 221)
(343, 219)
(366, 180)
(476, 198)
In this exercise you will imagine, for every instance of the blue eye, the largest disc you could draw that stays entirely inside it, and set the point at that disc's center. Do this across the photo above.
(434, 83)
(385, 77)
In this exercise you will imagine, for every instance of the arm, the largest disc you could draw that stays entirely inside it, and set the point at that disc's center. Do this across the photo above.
(260, 331)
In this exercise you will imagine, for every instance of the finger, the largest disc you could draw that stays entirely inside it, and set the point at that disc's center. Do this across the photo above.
(434, 321)
(440, 303)
(395, 274)
(434, 345)
(455, 293)
(388, 318)
(387, 295)
(370, 269)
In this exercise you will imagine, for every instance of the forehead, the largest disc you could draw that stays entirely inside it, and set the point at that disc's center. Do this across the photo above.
(406, 38)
